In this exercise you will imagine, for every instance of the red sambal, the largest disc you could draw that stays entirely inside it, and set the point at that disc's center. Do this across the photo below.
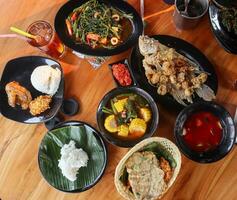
(122, 75)
(202, 132)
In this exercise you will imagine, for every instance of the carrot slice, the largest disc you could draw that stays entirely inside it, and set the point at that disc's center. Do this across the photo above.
(69, 27)
(93, 36)
(74, 16)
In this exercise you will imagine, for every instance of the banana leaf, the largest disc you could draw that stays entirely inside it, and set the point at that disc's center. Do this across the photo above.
(49, 154)
(159, 150)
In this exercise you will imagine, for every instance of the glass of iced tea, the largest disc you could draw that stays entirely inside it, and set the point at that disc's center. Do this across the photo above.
(46, 40)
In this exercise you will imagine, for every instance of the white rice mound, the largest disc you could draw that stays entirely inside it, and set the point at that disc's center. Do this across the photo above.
(72, 159)
(46, 79)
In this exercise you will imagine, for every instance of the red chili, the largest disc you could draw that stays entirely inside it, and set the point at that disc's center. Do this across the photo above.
(74, 16)
(122, 75)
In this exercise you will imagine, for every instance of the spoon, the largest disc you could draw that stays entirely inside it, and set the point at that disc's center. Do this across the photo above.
(185, 12)
(142, 13)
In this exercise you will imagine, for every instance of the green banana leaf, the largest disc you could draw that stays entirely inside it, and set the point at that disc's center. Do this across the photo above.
(159, 150)
(49, 154)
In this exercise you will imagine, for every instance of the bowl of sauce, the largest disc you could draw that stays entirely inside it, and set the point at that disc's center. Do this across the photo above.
(205, 132)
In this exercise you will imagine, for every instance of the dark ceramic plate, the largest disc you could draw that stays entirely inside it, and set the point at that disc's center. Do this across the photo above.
(227, 123)
(68, 7)
(20, 69)
(227, 40)
(101, 116)
(99, 140)
(125, 62)
(183, 48)
(225, 3)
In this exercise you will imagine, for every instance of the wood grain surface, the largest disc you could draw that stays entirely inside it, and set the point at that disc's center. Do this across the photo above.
(20, 178)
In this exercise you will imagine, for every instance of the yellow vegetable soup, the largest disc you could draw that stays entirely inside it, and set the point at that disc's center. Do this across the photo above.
(127, 116)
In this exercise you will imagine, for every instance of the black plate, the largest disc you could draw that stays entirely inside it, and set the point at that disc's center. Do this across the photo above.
(227, 123)
(99, 138)
(225, 3)
(125, 62)
(20, 69)
(183, 48)
(101, 116)
(227, 40)
(67, 8)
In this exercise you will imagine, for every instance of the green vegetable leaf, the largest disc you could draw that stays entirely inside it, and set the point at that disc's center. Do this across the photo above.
(49, 154)
(131, 109)
(107, 110)
(160, 151)
(113, 107)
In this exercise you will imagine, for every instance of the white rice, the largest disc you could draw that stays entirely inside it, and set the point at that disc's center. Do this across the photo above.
(72, 159)
(46, 79)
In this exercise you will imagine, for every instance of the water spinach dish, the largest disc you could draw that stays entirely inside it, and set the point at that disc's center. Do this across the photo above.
(98, 25)
(127, 116)
(229, 19)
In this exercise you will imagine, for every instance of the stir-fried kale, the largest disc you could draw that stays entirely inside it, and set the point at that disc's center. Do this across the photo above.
(229, 19)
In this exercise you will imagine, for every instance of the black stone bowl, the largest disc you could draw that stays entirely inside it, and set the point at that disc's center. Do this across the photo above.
(152, 126)
(69, 6)
(228, 138)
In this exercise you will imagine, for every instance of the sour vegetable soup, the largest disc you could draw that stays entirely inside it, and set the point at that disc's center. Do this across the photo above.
(127, 116)
(202, 132)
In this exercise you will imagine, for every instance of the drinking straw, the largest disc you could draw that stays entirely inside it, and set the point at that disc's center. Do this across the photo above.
(21, 32)
(160, 12)
(13, 36)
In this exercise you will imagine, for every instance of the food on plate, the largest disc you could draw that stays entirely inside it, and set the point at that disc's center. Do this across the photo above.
(98, 25)
(46, 79)
(18, 95)
(148, 169)
(127, 116)
(202, 131)
(145, 176)
(172, 73)
(40, 104)
(121, 74)
(72, 159)
(229, 19)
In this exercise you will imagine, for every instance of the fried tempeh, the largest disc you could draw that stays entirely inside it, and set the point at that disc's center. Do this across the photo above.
(40, 104)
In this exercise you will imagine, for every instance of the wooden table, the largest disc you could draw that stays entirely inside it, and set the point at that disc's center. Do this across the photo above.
(20, 177)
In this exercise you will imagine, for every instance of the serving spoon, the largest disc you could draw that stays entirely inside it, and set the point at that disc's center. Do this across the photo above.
(186, 3)
(142, 14)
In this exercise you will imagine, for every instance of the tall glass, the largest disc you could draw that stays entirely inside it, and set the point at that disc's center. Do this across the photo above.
(46, 40)
(189, 19)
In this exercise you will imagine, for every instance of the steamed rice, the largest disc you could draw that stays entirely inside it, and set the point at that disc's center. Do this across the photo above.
(72, 159)
(46, 79)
